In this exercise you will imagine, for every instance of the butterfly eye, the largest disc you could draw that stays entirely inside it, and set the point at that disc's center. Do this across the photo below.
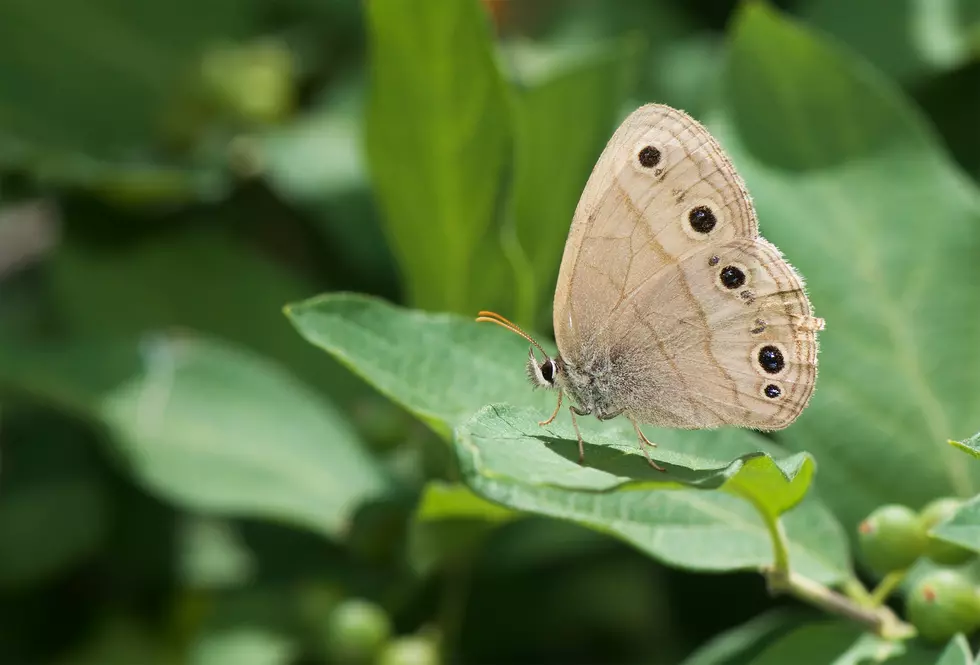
(649, 157)
(548, 370)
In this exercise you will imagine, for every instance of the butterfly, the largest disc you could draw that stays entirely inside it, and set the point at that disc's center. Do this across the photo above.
(670, 309)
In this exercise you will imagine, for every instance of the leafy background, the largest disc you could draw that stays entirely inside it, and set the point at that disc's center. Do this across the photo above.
(241, 246)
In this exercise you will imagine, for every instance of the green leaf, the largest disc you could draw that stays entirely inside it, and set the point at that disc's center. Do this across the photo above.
(564, 112)
(870, 649)
(242, 646)
(437, 136)
(508, 458)
(193, 277)
(738, 645)
(210, 427)
(212, 555)
(450, 522)
(438, 366)
(133, 57)
(970, 446)
(820, 642)
(907, 40)
(963, 528)
(444, 369)
(957, 652)
(843, 171)
(504, 442)
(442, 501)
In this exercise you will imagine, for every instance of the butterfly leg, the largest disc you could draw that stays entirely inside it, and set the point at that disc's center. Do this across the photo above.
(581, 446)
(648, 442)
(549, 420)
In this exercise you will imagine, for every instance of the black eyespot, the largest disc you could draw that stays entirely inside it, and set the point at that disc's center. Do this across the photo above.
(772, 391)
(649, 157)
(771, 359)
(548, 370)
(702, 219)
(732, 277)
(713, 261)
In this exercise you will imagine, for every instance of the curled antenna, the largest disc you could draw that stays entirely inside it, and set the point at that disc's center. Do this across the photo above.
(493, 317)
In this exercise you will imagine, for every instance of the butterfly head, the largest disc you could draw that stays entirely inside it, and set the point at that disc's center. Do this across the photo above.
(542, 374)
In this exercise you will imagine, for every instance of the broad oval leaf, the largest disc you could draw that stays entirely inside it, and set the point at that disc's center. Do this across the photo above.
(437, 134)
(957, 652)
(211, 427)
(444, 369)
(851, 184)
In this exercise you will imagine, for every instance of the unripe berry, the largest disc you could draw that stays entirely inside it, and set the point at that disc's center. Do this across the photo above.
(891, 538)
(943, 603)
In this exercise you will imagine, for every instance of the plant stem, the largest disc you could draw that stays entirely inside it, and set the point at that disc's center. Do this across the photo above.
(856, 592)
(863, 609)
(886, 586)
(880, 620)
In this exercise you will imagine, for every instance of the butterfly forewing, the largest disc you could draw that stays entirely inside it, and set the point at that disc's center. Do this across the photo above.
(664, 275)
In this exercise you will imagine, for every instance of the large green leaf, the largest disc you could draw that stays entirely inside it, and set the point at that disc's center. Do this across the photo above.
(437, 136)
(211, 427)
(194, 277)
(99, 76)
(906, 39)
(445, 369)
(565, 107)
(850, 184)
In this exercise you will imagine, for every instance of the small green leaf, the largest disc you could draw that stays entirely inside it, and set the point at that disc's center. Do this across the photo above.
(970, 446)
(738, 644)
(242, 646)
(449, 523)
(437, 136)
(442, 501)
(870, 649)
(963, 528)
(957, 652)
(820, 642)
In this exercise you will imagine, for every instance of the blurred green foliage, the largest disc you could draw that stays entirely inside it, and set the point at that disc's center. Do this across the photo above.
(242, 407)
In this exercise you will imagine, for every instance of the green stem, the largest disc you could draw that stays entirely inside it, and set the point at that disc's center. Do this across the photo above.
(879, 619)
(855, 591)
(888, 584)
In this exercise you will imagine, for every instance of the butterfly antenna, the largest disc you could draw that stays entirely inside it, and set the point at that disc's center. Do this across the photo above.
(493, 317)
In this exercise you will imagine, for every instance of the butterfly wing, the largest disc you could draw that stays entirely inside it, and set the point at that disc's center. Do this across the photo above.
(666, 285)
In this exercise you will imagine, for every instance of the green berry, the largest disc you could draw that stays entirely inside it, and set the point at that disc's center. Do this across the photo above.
(410, 650)
(940, 551)
(943, 603)
(356, 631)
(891, 538)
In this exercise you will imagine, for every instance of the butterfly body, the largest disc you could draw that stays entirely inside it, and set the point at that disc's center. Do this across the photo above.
(670, 308)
